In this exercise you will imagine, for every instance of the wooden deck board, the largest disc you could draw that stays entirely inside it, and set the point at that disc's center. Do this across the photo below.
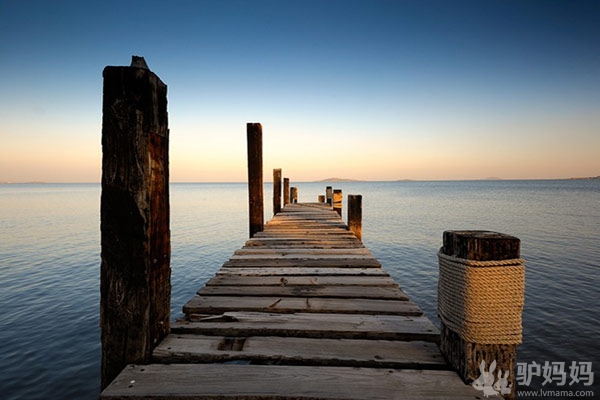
(300, 351)
(317, 325)
(222, 381)
(221, 304)
(301, 280)
(357, 292)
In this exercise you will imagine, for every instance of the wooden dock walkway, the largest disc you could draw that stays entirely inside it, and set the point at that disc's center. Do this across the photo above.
(302, 311)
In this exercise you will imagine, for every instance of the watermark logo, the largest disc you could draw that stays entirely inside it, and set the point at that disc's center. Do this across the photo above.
(558, 373)
(488, 384)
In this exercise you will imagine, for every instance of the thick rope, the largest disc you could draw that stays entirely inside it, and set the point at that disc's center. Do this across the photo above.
(482, 301)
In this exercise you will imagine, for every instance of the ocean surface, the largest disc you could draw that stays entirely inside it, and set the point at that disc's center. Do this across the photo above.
(50, 264)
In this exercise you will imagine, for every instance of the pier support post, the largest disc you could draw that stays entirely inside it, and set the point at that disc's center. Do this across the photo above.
(355, 214)
(286, 191)
(135, 274)
(337, 201)
(321, 198)
(480, 302)
(294, 194)
(329, 195)
(255, 178)
(276, 190)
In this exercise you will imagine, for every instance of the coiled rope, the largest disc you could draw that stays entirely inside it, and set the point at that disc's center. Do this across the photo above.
(482, 301)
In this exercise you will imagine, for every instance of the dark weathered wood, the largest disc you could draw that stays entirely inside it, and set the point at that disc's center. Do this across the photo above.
(281, 304)
(300, 351)
(276, 382)
(135, 272)
(481, 245)
(329, 195)
(276, 191)
(311, 325)
(338, 197)
(255, 178)
(355, 214)
(300, 280)
(287, 271)
(294, 194)
(356, 292)
(466, 357)
(286, 191)
(321, 198)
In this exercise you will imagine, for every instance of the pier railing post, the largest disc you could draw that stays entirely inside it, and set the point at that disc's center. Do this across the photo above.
(329, 195)
(135, 237)
(355, 214)
(338, 197)
(294, 194)
(255, 178)
(276, 191)
(286, 191)
(480, 302)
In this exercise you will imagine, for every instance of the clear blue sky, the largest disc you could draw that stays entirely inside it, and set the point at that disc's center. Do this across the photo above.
(377, 90)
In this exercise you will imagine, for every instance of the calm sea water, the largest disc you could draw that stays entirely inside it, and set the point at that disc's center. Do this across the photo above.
(50, 260)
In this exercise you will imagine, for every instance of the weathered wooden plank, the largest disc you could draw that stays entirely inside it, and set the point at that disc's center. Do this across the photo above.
(334, 326)
(296, 262)
(223, 280)
(222, 304)
(224, 381)
(303, 252)
(287, 271)
(356, 292)
(300, 351)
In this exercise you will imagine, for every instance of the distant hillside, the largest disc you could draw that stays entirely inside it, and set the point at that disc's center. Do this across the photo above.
(338, 180)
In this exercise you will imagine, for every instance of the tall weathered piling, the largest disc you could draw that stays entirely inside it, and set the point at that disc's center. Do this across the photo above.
(338, 197)
(286, 191)
(255, 177)
(136, 243)
(480, 302)
(276, 190)
(355, 214)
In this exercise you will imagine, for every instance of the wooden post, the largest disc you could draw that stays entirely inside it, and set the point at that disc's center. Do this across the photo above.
(329, 195)
(321, 198)
(286, 191)
(255, 177)
(355, 214)
(294, 194)
(276, 191)
(135, 287)
(337, 201)
(477, 337)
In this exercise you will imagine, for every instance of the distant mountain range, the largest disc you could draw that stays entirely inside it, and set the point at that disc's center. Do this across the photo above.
(339, 180)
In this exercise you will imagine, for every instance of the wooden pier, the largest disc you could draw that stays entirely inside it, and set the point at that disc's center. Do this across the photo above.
(301, 311)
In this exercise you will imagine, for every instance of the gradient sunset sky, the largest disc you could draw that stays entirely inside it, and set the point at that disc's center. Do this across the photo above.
(370, 90)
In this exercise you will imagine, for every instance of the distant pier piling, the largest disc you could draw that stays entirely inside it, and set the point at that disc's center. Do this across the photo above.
(255, 178)
(355, 214)
(480, 302)
(294, 194)
(329, 195)
(276, 190)
(286, 191)
(135, 237)
(338, 197)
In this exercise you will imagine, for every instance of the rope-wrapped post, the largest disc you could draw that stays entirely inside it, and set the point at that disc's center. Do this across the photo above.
(481, 291)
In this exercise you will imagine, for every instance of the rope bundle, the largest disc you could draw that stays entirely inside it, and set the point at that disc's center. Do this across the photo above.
(482, 301)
